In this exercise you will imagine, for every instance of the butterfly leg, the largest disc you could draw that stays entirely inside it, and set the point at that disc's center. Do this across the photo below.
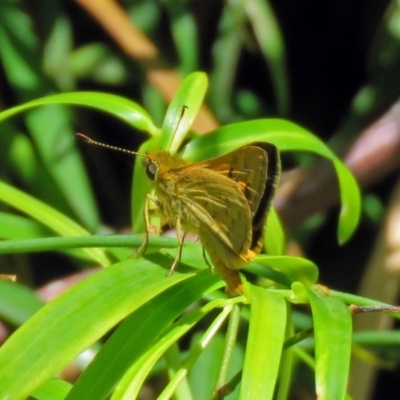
(207, 262)
(181, 238)
(143, 246)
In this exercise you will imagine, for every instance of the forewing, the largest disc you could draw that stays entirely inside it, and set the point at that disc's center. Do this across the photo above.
(248, 167)
(256, 169)
(216, 208)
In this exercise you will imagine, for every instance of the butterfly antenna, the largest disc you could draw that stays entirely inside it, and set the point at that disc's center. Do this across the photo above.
(89, 140)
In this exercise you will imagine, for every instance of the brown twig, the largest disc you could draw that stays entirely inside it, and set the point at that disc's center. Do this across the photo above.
(354, 309)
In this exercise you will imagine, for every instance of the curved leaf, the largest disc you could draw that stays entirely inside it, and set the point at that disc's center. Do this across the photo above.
(182, 111)
(296, 268)
(286, 136)
(47, 216)
(125, 109)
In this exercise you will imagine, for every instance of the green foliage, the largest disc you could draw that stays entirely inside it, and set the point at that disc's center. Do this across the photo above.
(147, 325)
(151, 305)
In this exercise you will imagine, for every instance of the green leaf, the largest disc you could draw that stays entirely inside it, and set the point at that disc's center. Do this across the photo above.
(178, 384)
(58, 48)
(296, 268)
(182, 111)
(333, 337)
(17, 302)
(203, 375)
(129, 386)
(50, 128)
(228, 45)
(47, 216)
(98, 63)
(19, 48)
(91, 308)
(30, 170)
(288, 363)
(137, 334)
(18, 227)
(122, 108)
(53, 389)
(184, 30)
(275, 239)
(264, 343)
(269, 37)
(286, 136)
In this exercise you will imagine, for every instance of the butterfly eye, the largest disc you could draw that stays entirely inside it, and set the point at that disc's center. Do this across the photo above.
(151, 170)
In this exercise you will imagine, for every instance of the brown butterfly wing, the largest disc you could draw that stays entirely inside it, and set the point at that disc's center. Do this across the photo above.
(256, 168)
(225, 200)
(216, 208)
(248, 166)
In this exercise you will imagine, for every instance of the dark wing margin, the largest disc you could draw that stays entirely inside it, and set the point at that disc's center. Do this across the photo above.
(273, 173)
(256, 168)
(248, 175)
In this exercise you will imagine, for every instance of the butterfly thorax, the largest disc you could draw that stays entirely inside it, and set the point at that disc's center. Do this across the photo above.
(165, 171)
